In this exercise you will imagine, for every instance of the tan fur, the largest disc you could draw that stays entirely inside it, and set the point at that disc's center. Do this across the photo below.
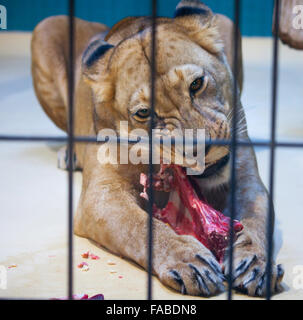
(110, 210)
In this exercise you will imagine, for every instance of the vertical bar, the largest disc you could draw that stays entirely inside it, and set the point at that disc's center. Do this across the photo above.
(150, 169)
(70, 145)
(270, 217)
(233, 145)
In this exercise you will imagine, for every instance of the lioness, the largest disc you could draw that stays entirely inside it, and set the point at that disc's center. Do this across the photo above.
(193, 90)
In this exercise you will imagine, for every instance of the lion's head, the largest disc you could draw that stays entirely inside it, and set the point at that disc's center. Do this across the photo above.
(193, 78)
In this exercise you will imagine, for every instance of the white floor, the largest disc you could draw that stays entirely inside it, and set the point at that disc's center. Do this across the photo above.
(33, 206)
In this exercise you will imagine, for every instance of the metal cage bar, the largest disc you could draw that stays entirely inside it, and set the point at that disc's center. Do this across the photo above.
(150, 166)
(70, 143)
(91, 139)
(233, 146)
(270, 218)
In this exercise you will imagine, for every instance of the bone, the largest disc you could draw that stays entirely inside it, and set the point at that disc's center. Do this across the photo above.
(187, 214)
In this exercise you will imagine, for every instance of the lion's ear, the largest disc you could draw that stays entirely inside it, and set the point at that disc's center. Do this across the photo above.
(95, 58)
(199, 23)
(95, 68)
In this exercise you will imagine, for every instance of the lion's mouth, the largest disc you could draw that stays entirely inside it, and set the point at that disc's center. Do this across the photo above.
(187, 212)
(215, 168)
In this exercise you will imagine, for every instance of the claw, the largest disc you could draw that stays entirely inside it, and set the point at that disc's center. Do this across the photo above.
(220, 287)
(218, 272)
(280, 272)
(253, 277)
(242, 268)
(241, 265)
(202, 285)
(260, 285)
(179, 280)
(215, 267)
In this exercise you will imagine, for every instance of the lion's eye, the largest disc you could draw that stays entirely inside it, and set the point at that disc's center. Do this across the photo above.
(196, 85)
(143, 113)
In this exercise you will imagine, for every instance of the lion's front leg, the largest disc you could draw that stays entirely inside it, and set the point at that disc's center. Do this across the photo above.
(250, 248)
(249, 275)
(109, 214)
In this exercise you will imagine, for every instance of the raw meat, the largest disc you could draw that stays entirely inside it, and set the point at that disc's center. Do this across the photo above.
(187, 214)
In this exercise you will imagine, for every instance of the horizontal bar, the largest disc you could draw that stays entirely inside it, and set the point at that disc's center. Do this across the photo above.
(90, 139)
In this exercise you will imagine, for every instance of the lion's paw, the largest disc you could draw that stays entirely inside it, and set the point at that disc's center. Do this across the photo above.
(250, 276)
(191, 269)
